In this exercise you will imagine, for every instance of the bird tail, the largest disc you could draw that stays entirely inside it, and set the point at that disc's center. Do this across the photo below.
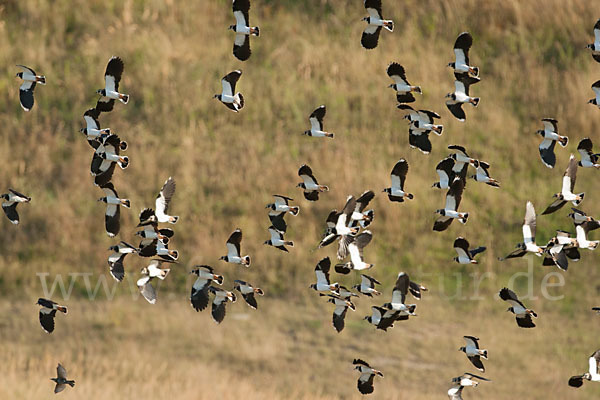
(41, 79)
(174, 254)
(464, 218)
(70, 383)
(246, 261)
(259, 291)
(475, 71)
(218, 278)
(329, 135)
(123, 162)
(240, 99)
(563, 140)
(533, 313)
(475, 101)
(438, 129)
(483, 353)
(124, 98)
(376, 292)
(389, 25)
(416, 89)
(578, 200)
(123, 145)
(288, 243)
(126, 203)
(410, 196)
(62, 309)
(323, 188)
(493, 183)
(295, 210)
(255, 31)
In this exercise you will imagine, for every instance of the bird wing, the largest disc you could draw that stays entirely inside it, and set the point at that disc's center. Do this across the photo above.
(444, 169)
(471, 341)
(358, 361)
(461, 245)
(398, 174)
(570, 176)
(26, 69)
(550, 124)
(281, 200)
(397, 73)
(547, 152)
(322, 271)
(368, 281)
(307, 175)
(400, 289)
(147, 290)
(91, 118)
(241, 46)
(363, 201)
(228, 82)
(61, 372)
(456, 110)
(109, 190)
(428, 116)
(373, 8)
(463, 43)
(316, 118)
(234, 243)
(460, 87)
(585, 149)
(529, 223)
(594, 362)
(510, 296)
(454, 194)
(163, 199)
(240, 11)
(370, 38)
(112, 75)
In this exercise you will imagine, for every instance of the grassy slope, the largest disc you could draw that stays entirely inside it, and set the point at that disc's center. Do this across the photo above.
(531, 57)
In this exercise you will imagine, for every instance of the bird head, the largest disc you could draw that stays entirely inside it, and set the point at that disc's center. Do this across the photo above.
(301, 185)
(367, 318)
(558, 196)
(102, 199)
(144, 271)
(224, 258)
(19, 75)
(114, 248)
(386, 190)
(268, 242)
(271, 206)
(368, 19)
(509, 309)
(307, 132)
(591, 101)
(217, 96)
(442, 212)
(451, 64)
(462, 349)
(313, 286)
(83, 130)
(451, 96)
(436, 185)
(540, 132)
(393, 86)
(101, 92)
(231, 27)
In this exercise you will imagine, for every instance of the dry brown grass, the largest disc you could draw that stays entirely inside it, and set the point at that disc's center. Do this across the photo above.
(533, 65)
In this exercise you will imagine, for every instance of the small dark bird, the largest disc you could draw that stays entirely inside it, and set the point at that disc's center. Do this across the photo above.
(367, 286)
(30, 79)
(110, 92)
(342, 304)
(450, 210)
(115, 260)
(61, 379)
(47, 313)
(461, 96)
(365, 381)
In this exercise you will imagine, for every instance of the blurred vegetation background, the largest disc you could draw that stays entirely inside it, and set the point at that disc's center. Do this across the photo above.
(533, 65)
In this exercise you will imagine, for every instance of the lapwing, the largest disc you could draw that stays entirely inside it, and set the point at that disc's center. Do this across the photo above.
(110, 92)
(473, 352)
(596, 88)
(242, 29)
(277, 240)
(367, 286)
(163, 200)
(595, 47)
(310, 184)
(221, 298)
(465, 255)
(149, 273)
(234, 254)
(468, 379)
(112, 216)
(528, 245)
(582, 231)
(593, 374)
(382, 318)
(248, 292)
(421, 124)
(47, 313)
(322, 273)
(462, 160)
(365, 380)
(106, 156)
(589, 159)
(550, 136)
(426, 121)
(316, 124)
(232, 100)
(92, 129)
(279, 208)
(396, 192)
(30, 79)
(450, 210)
(342, 304)
(356, 246)
(360, 216)
(151, 231)
(61, 379)
(10, 201)
(461, 66)
(340, 230)
(375, 22)
(398, 303)
(157, 248)
(580, 217)
(401, 85)
(461, 96)
(483, 175)
(555, 254)
(199, 295)
(445, 173)
(115, 259)
(522, 314)
(566, 194)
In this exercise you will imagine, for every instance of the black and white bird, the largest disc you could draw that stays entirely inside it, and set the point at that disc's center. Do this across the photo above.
(322, 273)
(341, 230)
(221, 298)
(106, 156)
(367, 374)
(151, 230)
(473, 352)
(461, 96)
(234, 254)
(450, 210)
(47, 313)
(550, 136)
(360, 216)
(367, 286)
(382, 318)
(461, 66)
(356, 247)
(232, 100)
(278, 209)
(248, 292)
(10, 201)
(277, 240)
(401, 85)
(579, 217)
(199, 294)
(415, 289)
(462, 160)
(422, 122)
(595, 47)
(163, 200)
(555, 251)
(522, 314)
(61, 379)
(112, 216)
(445, 173)
(483, 175)
(242, 29)
(310, 184)
(468, 379)
(593, 374)
(581, 231)
(316, 124)
(589, 159)
(110, 92)
(568, 185)
(375, 21)
(398, 175)
(398, 303)
(30, 79)
(157, 248)
(117, 257)
(596, 88)
(528, 245)
(465, 255)
(149, 273)
(342, 304)
(92, 129)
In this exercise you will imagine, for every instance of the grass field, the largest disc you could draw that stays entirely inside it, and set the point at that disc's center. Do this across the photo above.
(533, 65)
